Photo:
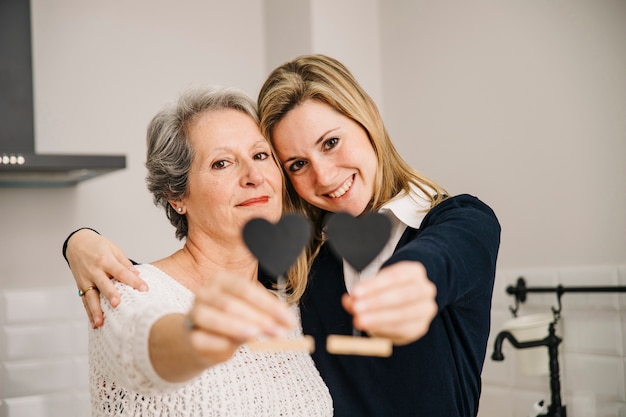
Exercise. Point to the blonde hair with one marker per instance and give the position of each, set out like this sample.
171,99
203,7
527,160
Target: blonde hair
324,79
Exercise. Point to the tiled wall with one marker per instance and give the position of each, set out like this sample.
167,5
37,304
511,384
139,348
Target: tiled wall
43,354
43,349
592,354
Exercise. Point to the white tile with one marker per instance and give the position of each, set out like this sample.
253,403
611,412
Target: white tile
623,332
36,341
52,405
82,403
608,409
80,335
35,377
80,368
523,401
601,375
593,332
495,402
530,382
581,404
39,305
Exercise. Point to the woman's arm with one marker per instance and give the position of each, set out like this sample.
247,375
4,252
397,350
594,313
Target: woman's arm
227,312
94,260
451,260
154,341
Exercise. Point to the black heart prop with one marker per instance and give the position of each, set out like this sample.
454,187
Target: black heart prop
358,240
277,246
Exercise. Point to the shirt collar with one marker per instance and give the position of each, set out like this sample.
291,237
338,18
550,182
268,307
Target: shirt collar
409,208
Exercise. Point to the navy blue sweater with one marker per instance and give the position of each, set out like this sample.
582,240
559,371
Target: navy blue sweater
438,375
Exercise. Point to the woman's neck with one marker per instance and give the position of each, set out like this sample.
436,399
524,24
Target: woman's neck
198,261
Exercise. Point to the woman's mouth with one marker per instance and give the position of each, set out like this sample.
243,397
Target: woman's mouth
343,189
255,201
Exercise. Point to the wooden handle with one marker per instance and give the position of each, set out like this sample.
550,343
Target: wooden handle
304,343
363,346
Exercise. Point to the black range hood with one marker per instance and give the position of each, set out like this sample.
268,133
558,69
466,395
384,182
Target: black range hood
20,166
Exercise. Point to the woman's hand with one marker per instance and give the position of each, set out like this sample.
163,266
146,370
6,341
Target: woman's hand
398,303
94,260
227,311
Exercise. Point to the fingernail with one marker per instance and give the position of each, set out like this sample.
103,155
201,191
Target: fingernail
251,331
364,321
288,318
115,300
279,331
358,291
143,287
359,306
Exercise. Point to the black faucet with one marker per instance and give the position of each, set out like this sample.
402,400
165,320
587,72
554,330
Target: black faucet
552,341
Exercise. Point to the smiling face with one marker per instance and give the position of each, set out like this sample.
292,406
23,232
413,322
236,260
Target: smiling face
233,177
327,156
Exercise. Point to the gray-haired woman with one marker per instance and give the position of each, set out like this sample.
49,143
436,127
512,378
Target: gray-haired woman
180,349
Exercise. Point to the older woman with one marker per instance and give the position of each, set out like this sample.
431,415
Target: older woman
180,348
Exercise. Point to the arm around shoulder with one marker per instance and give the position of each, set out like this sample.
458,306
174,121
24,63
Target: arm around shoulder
94,260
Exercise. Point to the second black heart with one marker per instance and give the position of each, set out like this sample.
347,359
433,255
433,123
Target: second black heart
358,240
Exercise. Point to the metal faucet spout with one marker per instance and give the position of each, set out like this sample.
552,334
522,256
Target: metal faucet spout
497,346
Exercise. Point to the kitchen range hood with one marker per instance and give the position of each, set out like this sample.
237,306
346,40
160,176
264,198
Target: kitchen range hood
20,165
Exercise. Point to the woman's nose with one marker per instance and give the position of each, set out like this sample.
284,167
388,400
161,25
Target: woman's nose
323,172
252,174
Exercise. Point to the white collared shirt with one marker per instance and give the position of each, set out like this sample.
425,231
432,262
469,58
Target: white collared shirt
403,210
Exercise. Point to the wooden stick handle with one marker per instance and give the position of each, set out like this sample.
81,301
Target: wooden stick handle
363,346
304,343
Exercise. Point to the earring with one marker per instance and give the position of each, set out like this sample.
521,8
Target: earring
180,209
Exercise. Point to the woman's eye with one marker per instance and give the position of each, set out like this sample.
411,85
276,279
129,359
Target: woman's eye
262,156
296,166
220,164
330,143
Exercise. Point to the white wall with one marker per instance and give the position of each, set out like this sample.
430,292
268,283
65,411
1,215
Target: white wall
520,103
524,105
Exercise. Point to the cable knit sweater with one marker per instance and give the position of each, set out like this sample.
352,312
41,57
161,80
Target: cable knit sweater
124,383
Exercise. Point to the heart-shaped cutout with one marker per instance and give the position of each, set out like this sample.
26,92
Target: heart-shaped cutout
358,240
277,246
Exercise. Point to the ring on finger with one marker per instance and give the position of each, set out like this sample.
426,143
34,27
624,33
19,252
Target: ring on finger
81,293
189,324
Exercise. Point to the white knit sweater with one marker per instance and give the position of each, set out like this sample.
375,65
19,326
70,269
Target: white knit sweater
124,383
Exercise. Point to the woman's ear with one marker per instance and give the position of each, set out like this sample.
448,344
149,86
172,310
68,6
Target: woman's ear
178,206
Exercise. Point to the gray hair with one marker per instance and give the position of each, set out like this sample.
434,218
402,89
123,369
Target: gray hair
170,153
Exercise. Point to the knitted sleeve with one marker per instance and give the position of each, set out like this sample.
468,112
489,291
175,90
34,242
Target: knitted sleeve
119,349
